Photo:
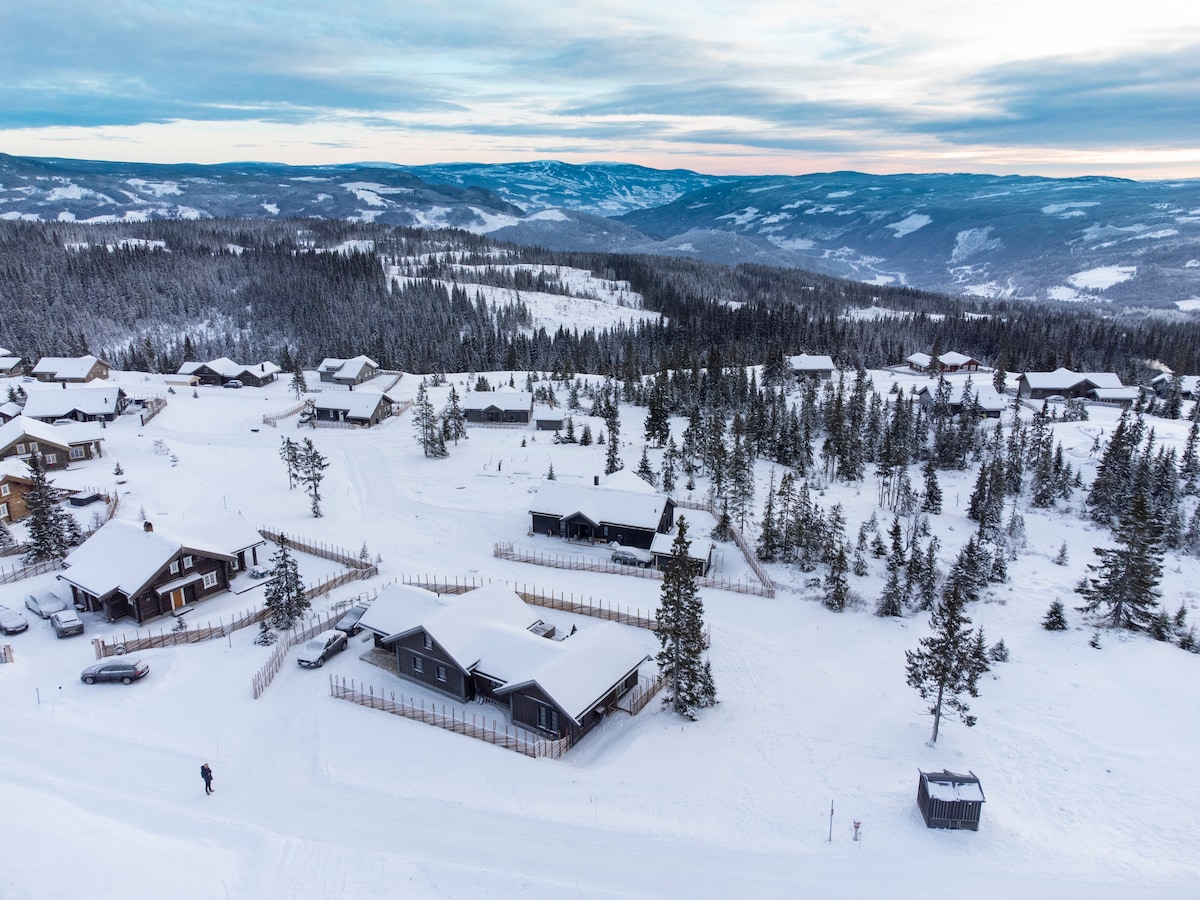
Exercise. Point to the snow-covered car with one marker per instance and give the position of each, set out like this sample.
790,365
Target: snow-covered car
66,622
314,653
632,556
232,383
349,620
11,621
126,671
44,604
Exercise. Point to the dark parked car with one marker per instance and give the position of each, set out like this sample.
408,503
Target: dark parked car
126,671
11,621
314,653
349,620
632,556
66,622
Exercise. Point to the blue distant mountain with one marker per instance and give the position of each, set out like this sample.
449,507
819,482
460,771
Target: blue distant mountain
1081,239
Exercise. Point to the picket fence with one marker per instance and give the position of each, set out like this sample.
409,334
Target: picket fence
262,679
510,738
748,553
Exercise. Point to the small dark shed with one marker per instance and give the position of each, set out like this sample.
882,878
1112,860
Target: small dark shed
948,800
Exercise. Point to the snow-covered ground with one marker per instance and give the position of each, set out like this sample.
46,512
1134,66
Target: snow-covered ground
1087,757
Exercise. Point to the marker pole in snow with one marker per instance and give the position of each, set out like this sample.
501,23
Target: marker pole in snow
831,821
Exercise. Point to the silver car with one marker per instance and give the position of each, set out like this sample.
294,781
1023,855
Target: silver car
44,604
66,622
11,621
314,653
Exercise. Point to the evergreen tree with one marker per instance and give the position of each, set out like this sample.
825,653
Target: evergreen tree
312,472
1056,617
299,384
946,666
768,539
425,425
891,601
837,587
7,541
289,452
612,459
644,471
284,597
585,437
46,523
1125,580
550,476
680,619
455,426
668,466
931,500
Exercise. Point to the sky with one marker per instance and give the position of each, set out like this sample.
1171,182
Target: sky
753,87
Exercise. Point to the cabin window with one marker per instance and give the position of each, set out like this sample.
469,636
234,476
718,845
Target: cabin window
441,673
33,446
5,490
210,580
428,642
187,562
175,567
418,665
51,459
547,718
20,448
76,453
3,510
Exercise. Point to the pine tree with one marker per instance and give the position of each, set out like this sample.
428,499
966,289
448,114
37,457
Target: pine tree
1056,617
311,473
1125,581
550,476
947,665
668,466
837,587
284,597
644,471
299,384
680,619
931,500
289,452
46,523
455,426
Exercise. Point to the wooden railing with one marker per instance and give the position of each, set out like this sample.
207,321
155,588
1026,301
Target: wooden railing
262,679
748,553
644,692
511,738
325,551
272,419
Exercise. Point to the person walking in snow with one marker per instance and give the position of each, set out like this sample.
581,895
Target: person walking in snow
206,774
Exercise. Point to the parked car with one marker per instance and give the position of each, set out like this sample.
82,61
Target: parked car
232,383
44,604
349,620
320,648
11,621
125,670
1056,398
66,622
632,556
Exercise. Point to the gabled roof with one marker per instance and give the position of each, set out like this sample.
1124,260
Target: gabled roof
699,548
985,393
1062,379
806,363
1122,393
227,368
65,366
920,360
61,436
508,401
356,404
52,402
601,505
954,358
1189,384
347,368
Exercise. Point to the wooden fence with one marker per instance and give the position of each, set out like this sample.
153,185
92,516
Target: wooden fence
645,691
505,550
315,625
325,551
748,553
6,654
272,419
153,406
17,573
511,738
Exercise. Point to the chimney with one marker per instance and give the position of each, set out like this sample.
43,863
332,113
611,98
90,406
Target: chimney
147,527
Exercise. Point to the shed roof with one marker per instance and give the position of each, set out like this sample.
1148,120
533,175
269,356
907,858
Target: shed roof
949,786
811,363
509,401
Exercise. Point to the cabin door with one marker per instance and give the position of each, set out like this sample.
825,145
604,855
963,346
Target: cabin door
177,598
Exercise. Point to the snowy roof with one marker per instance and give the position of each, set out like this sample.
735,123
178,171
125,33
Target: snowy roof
1189,384
1064,379
222,535
948,786
56,435
8,363
65,366
954,358
806,363
921,360
601,505
123,557
699,548
347,368
510,401
988,397
487,630
52,402
356,404
1121,393
627,480
227,368
10,409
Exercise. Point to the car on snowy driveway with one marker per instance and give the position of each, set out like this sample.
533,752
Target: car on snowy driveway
66,622
632,556
45,604
11,621
314,653
126,671
349,620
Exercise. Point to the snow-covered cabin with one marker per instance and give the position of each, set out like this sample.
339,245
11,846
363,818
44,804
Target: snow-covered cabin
58,445
498,406
1189,385
83,403
990,402
9,364
489,644
1064,383
365,408
948,800
223,370
15,483
622,508
951,361
347,372
126,571
73,369
810,366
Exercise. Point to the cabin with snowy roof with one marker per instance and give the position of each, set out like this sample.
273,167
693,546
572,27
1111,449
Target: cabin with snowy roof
82,403
347,372
364,408
223,370
58,445
620,508
488,644
124,571
809,366
948,800
952,361
1189,385
510,407
987,399
70,369
1063,382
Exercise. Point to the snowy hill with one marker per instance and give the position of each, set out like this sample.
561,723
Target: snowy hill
1086,756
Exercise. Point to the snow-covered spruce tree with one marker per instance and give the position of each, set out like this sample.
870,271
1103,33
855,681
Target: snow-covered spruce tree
683,659
312,471
946,666
284,596
428,431
455,426
612,459
1123,589
931,499
46,522
6,539
298,384
644,470
837,586
289,452
670,455
1056,617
